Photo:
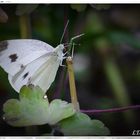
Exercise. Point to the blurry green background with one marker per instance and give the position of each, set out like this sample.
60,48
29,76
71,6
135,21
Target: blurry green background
106,64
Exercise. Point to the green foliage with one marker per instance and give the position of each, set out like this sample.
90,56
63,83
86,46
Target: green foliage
118,37
33,109
81,124
78,7
94,24
25,9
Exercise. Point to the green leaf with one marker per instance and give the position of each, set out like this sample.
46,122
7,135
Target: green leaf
99,128
59,110
33,109
81,124
25,9
78,7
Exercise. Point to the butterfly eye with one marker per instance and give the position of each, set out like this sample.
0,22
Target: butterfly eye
65,49
22,66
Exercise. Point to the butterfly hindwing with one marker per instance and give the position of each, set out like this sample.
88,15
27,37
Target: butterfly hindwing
46,75
41,72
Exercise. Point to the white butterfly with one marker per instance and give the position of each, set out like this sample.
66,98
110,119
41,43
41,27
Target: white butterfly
29,61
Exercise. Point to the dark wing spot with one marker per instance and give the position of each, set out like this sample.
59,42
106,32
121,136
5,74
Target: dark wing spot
29,81
3,45
25,75
22,66
13,57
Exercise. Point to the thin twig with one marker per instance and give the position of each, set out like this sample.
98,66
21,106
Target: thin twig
25,26
112,110
73,93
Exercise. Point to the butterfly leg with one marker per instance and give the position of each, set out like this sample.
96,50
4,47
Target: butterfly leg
62,62
63,65
65,54
72,51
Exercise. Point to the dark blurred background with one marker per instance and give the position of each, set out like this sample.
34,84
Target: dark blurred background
106,64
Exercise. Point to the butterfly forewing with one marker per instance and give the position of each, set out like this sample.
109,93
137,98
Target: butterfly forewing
15,54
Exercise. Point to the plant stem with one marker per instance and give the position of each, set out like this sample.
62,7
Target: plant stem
25,27
69,62
112,110
73,93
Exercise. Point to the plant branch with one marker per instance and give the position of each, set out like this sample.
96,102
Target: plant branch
73,93
112,110
25,27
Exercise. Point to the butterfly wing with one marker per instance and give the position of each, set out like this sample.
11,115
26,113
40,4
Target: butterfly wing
45,76
16,54
40,72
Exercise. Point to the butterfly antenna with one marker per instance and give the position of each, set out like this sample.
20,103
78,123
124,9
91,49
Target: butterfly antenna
72,52
64,31
71,49
75,37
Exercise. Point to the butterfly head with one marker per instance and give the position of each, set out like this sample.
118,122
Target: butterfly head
59,48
